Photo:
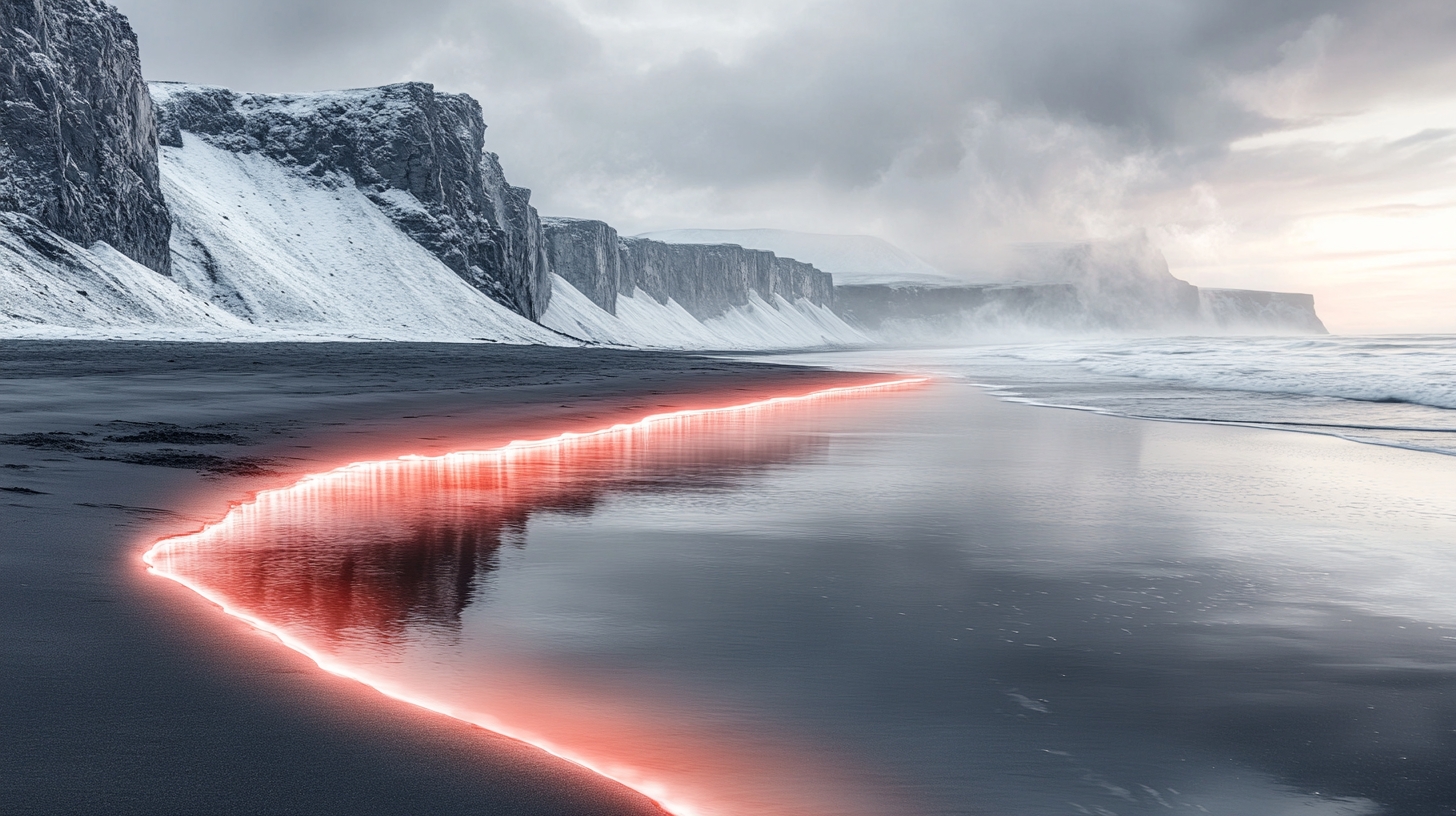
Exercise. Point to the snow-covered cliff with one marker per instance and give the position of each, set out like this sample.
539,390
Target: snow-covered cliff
417,155
705,279
710,279
638,292
586,254
289,251
54,288
642,321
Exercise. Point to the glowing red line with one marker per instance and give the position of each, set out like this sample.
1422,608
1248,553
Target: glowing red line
656,792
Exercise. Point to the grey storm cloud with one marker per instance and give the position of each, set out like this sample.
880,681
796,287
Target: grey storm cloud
303,45
281,45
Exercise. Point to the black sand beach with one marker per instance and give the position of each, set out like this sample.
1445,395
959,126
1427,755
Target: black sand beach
1099,610
125,693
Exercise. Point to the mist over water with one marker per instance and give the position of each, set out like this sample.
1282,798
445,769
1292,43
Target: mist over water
916,602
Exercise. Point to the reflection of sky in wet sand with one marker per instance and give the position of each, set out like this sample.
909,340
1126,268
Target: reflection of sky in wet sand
926,602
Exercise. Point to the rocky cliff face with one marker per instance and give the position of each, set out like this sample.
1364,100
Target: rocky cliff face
78,143
705,279
418,154
587,254
709,279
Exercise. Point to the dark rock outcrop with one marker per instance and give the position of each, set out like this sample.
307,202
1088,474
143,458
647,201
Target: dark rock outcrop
586,253
418,154
78,143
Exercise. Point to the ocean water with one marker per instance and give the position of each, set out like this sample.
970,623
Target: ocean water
1395,390
921,600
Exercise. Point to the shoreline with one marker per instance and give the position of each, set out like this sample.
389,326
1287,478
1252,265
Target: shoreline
122,698
1365,411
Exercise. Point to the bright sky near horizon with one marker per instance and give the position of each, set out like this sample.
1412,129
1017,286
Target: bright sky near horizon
1293,145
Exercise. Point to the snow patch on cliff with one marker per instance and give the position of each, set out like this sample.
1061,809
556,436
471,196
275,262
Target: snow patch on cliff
642,322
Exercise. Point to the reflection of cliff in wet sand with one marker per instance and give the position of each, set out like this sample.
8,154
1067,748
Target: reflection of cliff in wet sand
363,567
383,546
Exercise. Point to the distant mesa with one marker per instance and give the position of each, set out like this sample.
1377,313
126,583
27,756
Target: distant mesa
1061,288
637,291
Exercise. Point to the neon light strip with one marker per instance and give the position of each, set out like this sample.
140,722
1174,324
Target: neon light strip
623,776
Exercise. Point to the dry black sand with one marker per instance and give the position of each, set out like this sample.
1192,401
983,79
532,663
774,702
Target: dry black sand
123,693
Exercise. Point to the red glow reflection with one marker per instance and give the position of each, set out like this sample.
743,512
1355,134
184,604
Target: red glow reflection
359,567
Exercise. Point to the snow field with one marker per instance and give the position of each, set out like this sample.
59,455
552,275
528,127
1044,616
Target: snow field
51,288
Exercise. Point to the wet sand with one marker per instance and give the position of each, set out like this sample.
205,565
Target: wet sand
126,693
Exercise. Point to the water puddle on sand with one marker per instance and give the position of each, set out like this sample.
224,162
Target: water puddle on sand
388,572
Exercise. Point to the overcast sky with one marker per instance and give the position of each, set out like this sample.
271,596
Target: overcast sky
1295,145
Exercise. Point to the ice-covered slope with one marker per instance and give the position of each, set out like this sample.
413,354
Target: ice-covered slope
851,259
643,322
289,251
51,288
